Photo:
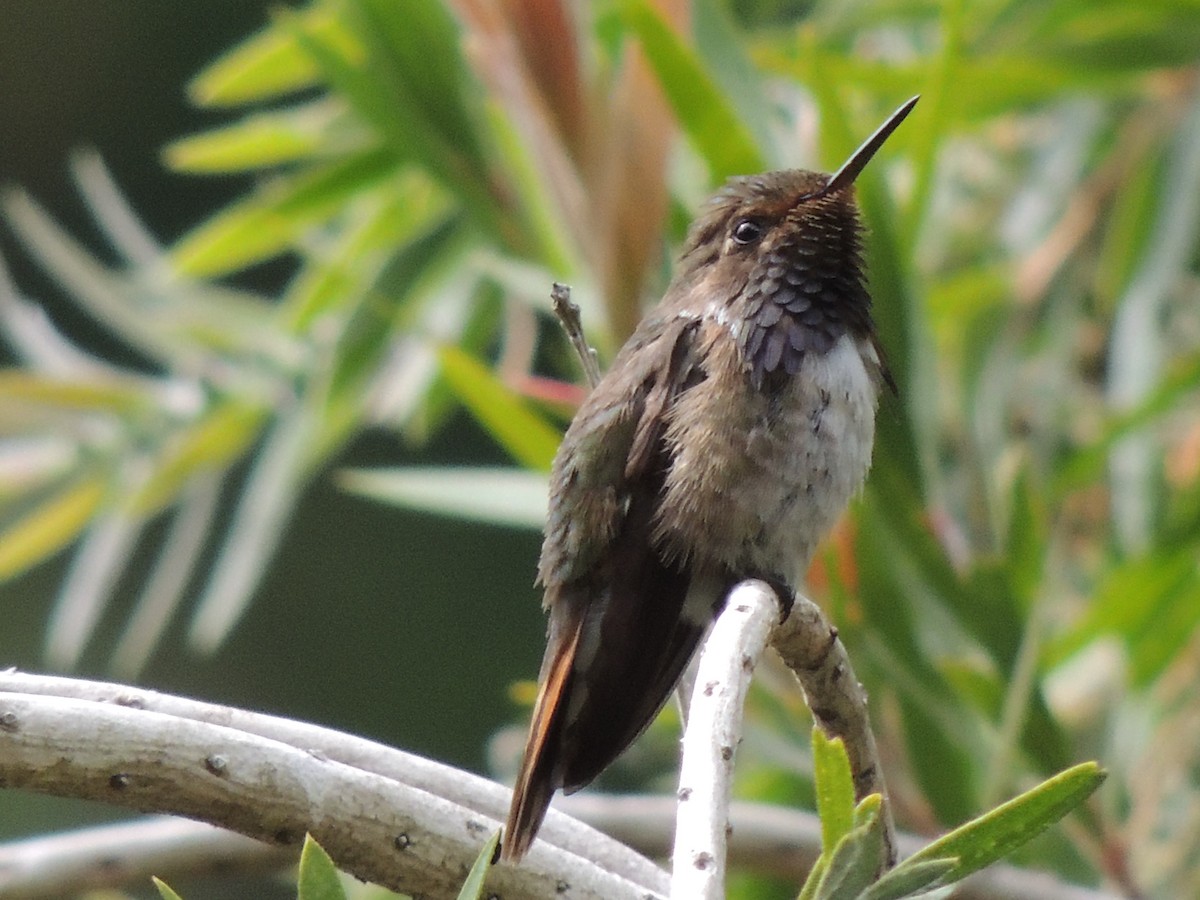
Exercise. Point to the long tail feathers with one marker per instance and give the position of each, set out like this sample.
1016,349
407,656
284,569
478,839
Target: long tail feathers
538,778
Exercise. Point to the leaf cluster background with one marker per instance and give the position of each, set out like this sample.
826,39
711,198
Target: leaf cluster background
1018,585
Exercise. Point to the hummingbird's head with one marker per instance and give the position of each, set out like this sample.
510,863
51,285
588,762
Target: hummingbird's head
782,253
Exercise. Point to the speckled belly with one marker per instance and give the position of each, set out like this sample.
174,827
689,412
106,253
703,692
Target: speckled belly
756,492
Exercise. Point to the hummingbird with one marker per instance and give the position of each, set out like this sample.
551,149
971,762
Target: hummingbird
723,443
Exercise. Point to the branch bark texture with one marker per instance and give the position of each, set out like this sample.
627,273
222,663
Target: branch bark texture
415,827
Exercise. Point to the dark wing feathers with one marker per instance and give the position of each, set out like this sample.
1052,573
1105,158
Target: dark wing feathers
617,641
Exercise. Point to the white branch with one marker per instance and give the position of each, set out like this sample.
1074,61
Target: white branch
770,839
113,856
385,816
714,730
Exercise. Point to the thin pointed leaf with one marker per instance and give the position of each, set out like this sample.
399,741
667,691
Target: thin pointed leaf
262,512
707,115
164,890
210,444
93,573
164,587
855,861
528,437
270,63
107,296
995,834
472,888
813,881
909,878
511,497
124,399
385,90
416,51
264,140
721,44
318,878
834,787
406,220
49,526
551,243
271,221
112,211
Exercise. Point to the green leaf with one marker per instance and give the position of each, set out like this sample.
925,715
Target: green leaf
722,46
407,212
1028,540
707,116
164,890
909,878
528,437
1086,464
409,89
857,858
260,141
813,881
472,888
942,766
835,789
511,497
318,877
209,444
1149,602
996,834
415,53
50,525
271,62
269,222
115,397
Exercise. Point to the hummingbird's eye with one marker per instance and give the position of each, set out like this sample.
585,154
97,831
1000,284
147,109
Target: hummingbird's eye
747,231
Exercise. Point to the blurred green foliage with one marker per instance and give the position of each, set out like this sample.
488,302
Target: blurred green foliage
1018,586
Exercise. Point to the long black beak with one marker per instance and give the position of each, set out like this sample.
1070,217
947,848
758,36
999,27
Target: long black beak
844,177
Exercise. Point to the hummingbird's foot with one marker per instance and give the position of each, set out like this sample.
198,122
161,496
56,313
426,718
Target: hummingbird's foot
787,596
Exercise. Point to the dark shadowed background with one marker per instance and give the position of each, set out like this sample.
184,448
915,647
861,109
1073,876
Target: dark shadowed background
397,626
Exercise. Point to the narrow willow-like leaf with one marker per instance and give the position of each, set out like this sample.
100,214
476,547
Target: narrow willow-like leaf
269,222
415,51
270,63
388,89
318,877
550,238
855,861
472,888
723,51
514,425
164,889
121,399
510,497
1087,463
408,207
96,565
943,742
50,525
813,881
835,789
256,142
253,534
995,834
210,444
909,878
708,117
109,296
163,591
